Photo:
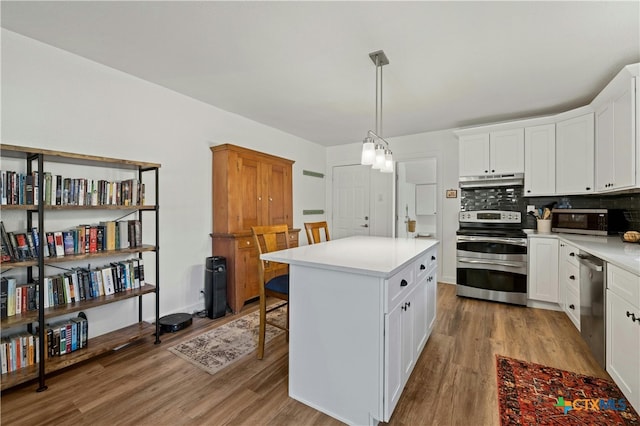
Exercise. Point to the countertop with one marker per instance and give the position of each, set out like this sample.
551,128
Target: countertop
611,249
377,256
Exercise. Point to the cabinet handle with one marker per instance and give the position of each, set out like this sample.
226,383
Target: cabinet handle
422,267
572,277
404,307
493,171
633,316
588,188
433,258
572,306
270,199
572,254
486,171
408,304
528,191
403,283
365,225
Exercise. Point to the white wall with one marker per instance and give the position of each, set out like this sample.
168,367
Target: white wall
443,145
57,100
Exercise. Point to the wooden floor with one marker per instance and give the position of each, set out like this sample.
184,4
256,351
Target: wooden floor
454,381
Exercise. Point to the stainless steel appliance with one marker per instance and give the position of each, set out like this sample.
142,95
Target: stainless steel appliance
588,221
592,304
492,181
491,256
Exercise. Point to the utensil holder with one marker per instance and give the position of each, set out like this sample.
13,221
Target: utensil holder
411,226
544,226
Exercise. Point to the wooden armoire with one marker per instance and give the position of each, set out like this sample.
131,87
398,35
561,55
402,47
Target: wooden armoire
250,188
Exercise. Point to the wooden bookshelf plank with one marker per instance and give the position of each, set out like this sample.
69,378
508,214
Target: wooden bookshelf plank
96,346
75,257
24,152
32,316
33,207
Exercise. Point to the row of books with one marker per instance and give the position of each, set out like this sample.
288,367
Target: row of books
108,235
23,188
22,349
70,287
19,351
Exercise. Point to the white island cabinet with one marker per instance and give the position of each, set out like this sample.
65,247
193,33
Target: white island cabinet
361,310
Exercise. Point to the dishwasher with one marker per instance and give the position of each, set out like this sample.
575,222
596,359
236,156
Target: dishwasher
592,304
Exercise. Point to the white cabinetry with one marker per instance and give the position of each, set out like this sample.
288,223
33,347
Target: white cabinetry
540,160
574,155
543,269
616,145
408,324
492,153
623,332
351,355
569,282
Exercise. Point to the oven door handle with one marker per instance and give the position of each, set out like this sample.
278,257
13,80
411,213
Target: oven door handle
493,262
512,241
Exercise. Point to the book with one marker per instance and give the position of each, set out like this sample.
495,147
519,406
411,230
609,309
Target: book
7,249
28,189
4,296
59,241
47,188
33,254
11,296
93,239
51,244
107,280
68,243
18,300
14,246
35,235
24,253
58,190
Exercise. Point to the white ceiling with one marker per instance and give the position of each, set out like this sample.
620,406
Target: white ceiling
304,67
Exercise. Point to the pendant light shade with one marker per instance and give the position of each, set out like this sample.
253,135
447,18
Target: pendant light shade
375,150
368,152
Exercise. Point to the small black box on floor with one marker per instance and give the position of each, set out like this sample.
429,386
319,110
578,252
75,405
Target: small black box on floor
174,322
215,287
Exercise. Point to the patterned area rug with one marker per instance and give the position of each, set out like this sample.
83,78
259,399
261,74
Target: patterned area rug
533,394
220,347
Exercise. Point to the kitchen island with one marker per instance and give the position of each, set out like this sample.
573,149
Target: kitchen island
361,310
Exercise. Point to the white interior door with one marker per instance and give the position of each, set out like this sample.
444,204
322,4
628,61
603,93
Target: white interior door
351,188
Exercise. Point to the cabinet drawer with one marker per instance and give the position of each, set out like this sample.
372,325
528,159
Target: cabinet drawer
569,254
572,307
572,277
425,263
624,284
398,285
245,242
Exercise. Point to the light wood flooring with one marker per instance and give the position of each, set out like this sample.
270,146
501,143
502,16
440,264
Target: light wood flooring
454,381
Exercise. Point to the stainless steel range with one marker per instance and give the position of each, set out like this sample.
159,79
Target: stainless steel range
491,256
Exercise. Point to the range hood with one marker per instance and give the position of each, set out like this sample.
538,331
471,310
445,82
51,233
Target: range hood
484,181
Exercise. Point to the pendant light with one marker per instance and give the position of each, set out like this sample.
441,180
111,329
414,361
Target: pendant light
375,150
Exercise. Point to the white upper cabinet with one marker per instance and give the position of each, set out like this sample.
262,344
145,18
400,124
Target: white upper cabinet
574,155
616,145
474,155
492,153
540,160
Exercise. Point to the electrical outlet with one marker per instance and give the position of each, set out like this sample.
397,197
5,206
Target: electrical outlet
531,209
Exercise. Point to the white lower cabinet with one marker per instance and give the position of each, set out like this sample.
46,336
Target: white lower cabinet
407,328
623,332
543,269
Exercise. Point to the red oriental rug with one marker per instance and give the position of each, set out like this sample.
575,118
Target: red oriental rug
534,394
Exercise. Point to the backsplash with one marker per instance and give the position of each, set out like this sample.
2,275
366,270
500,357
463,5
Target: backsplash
507,198
630,203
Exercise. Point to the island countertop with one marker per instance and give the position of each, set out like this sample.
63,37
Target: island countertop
377,256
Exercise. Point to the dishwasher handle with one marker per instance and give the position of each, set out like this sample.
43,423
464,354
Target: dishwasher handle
585,260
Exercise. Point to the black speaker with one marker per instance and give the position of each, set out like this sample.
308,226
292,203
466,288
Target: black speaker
215,287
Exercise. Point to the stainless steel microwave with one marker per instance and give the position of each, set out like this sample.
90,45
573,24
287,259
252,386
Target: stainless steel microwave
588,221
